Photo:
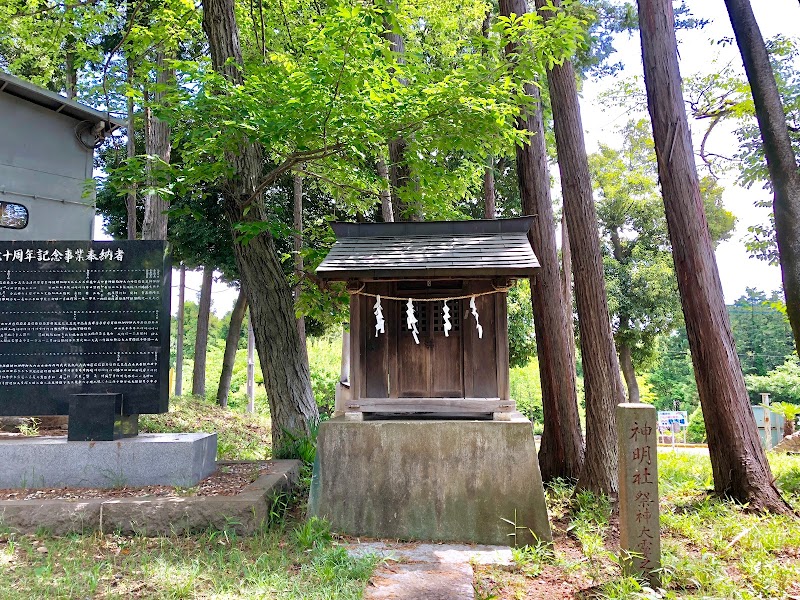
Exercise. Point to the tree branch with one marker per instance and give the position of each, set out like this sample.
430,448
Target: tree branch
288,163
336,88
330,181
318,281
286,24
716,119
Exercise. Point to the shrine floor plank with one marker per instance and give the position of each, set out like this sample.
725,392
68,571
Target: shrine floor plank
431,405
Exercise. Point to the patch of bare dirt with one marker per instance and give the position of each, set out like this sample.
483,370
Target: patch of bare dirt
228,480
553,583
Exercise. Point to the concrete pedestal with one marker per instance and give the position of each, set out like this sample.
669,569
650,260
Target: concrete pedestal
181,459
448,480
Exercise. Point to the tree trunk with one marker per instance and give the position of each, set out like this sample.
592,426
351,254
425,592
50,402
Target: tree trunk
298,257
598,353
561,450
400,177
399,171
387,211
489,194
489,207
130,146
231,345
781,160
738,462
629,372
70,71
624,349
179,344
201,341
283,362
157,143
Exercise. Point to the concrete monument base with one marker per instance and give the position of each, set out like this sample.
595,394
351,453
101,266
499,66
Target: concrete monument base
440,480
180,459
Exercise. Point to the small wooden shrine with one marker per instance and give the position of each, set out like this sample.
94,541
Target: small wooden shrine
428,315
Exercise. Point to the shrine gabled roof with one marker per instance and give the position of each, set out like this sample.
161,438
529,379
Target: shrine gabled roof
433,249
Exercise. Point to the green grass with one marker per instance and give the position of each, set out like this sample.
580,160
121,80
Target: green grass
240,436
324,357
714,548
708,539
711,548
214,565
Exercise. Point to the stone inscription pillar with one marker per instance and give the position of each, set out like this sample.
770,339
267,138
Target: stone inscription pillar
638,490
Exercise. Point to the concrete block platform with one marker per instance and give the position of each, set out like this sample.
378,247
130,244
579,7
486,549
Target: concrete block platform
438,480
243,513
176,459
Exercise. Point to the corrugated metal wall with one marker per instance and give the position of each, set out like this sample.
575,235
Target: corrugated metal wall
774,427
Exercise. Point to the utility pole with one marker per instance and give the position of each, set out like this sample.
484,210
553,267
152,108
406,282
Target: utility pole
179,349
251,366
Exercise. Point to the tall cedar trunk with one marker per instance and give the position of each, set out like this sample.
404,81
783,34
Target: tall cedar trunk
561,451
387,211
201,341
283,361
231,345
157,143
738,462
179,347
626,362
298,247
598,354
489,207
130,146
781,161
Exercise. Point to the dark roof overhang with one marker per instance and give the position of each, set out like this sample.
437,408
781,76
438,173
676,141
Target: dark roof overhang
14,86
481,249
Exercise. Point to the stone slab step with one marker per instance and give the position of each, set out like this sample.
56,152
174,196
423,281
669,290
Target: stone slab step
414,571
413,581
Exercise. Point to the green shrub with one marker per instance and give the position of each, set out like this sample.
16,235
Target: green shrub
696,433
324,360
526,390
782,383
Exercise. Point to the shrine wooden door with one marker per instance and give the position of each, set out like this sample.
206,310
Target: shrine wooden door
434,367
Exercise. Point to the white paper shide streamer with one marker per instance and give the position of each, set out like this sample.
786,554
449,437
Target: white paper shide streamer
474,310
446,319
411,320
379,321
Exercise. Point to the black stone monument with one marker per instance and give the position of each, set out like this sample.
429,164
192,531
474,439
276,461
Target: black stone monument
84,331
